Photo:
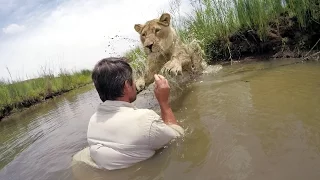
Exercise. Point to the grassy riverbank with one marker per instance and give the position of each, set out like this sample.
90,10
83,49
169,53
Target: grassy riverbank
19,94
233,29
236,29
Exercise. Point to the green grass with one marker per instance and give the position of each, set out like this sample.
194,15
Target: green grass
213,20
137,59
14,94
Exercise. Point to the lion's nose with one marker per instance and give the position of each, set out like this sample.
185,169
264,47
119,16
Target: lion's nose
149,46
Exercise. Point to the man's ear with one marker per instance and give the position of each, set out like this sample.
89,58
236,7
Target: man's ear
138,28
126,86
165,19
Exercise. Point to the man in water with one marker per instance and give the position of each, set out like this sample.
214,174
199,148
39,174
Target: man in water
120,135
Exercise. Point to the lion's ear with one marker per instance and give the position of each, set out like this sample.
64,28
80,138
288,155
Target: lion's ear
138,28
165,19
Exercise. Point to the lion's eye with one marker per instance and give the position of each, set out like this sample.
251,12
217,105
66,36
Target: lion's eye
157,30
144,34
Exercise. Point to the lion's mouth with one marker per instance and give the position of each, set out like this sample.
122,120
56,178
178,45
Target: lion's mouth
150,47
152,50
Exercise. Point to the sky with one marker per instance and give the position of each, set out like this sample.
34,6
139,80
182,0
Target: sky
37,35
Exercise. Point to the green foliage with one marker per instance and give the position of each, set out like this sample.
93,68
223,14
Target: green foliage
218,19
13,93
137,60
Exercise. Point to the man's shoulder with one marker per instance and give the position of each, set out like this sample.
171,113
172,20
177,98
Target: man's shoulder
146,111
134,113
147,115
93,117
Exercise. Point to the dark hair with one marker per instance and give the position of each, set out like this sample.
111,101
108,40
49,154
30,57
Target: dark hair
109,76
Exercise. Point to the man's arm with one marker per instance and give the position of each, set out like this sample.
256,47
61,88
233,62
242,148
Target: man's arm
161,133
166,128
167,114
162,92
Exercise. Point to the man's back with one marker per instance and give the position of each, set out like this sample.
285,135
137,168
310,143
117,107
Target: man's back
120,135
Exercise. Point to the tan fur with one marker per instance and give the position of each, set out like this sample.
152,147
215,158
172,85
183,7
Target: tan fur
165,51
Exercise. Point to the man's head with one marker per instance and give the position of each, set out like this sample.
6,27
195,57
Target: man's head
113,80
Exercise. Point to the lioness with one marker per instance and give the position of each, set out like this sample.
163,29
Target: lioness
166,52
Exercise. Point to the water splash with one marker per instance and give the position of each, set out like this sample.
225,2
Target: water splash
210,69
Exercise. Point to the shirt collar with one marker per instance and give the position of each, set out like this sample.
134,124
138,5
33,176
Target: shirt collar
116,104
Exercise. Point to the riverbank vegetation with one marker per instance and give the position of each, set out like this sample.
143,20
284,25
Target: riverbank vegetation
235,29
19,94
232,29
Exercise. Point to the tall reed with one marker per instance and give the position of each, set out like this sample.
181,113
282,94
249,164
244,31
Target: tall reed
216,20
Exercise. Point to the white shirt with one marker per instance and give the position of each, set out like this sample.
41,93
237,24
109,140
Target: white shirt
120,135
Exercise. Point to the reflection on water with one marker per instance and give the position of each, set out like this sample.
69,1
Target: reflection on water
42,139
249,121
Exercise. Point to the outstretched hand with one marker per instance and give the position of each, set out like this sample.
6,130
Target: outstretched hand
162,92
162,89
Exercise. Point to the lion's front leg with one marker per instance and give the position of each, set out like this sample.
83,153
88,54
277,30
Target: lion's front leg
149,74
140,84
149,78
173,66
144,81
180,61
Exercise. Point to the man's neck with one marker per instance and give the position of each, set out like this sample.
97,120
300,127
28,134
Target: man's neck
124,98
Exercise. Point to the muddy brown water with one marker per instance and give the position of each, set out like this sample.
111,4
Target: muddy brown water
258,120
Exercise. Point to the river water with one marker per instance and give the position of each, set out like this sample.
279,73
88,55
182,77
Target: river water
258,120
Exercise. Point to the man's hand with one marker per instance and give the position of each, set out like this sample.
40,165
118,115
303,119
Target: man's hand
162,92
162,89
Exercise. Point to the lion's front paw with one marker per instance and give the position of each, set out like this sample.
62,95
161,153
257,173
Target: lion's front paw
140,84
172,67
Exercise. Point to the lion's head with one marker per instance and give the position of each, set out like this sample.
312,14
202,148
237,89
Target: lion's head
157,35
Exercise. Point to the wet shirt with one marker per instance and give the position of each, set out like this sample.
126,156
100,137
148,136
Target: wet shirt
120,135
